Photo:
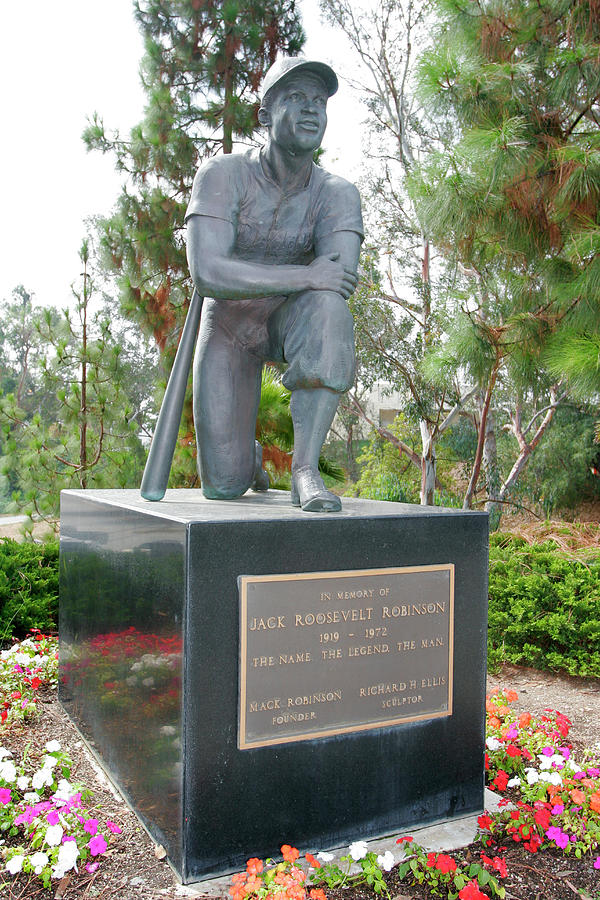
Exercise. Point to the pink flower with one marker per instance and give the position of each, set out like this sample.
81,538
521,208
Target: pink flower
597,862
91,826
98,845
558,808
52,818
92,866
5,796
548,751
113,827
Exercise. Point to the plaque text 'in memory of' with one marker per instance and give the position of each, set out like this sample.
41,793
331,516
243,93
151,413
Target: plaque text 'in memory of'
325,653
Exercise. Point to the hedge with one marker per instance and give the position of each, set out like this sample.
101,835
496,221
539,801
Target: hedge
544,607
28,587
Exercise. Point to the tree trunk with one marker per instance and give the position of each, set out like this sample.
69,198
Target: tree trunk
468,498
527,449
490,467
428,465
228,85
83,408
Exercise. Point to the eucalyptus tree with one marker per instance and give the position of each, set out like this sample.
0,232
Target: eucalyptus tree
401,310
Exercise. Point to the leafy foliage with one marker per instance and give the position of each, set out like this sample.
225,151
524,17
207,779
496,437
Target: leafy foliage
28,587
544,607
79,425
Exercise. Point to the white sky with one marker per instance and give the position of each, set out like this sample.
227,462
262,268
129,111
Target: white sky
59,63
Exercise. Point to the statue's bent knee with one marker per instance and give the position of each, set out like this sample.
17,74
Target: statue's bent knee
320,345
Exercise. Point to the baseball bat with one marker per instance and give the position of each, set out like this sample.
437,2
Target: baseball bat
162,448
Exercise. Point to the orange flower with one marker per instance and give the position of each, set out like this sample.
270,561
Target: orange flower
290,854
318,894
313,863
595,802
524,720
493,722
254,866
511,696
577,797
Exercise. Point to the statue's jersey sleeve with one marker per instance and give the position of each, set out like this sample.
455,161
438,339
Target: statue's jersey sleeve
217,188
338,208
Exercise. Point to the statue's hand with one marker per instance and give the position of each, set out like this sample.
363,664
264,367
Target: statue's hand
325,273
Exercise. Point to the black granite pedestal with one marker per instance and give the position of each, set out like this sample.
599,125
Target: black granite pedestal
227,747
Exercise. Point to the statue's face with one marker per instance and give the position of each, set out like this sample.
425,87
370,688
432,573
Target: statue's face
298,113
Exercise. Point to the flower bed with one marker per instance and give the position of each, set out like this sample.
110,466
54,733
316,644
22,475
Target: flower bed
549,818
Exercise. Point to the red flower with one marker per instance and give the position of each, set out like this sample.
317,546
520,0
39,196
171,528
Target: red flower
499,865
317,894
487,762
501,780
16,695
431,860
290,854
445,864
35,683
314,863
408,840
472,892
543,817
485,822
3,716
513,751
254,866
533,844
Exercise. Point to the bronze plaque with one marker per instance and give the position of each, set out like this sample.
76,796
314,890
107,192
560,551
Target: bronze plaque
325,653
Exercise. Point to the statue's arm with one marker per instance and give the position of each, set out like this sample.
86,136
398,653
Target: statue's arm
346,243
217,273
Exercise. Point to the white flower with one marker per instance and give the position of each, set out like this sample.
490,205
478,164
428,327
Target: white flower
42,777
4,752
49,762
54,835
52,746
358,850
493,743
23,782
532,776
63,791
551,777
148,682
8,771
168,729
514,782
38,861
67,858
31,797
15,863
386,861
326,857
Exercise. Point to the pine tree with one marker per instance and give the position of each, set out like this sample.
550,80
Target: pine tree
515,201
202,68
85,433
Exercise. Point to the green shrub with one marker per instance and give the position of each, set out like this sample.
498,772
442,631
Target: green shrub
28,587
544,607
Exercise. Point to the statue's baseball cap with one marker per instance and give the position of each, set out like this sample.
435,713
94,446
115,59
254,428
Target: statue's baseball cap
285,65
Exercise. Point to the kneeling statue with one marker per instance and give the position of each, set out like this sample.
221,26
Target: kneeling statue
273,243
